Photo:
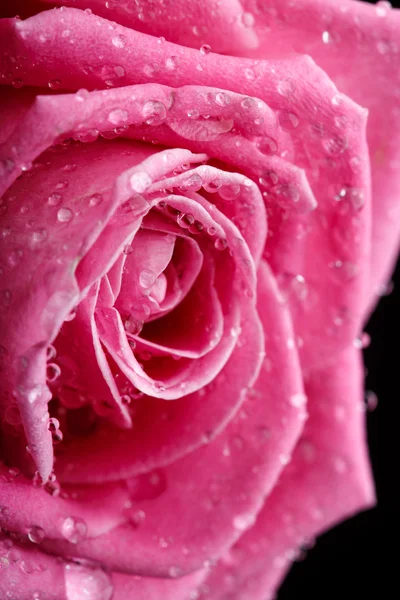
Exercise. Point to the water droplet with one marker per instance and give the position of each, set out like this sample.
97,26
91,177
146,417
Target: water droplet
352,197
196,228
212,186
171,63
174,572
54,199
221,244
371,400
54,84
185,220
284,459
247,19
344,270
70,167
140,181
133,325
286,194
211,230
74,529
298,400
53,371
95,200
249,74
118,116
193,113
40,235
64,215
119,41
51,352
288,120
154,112
326,37
243,521
229,192
17,83
335,145
53,424
205,49
147,278
267,145
222,99
286,87
36,534
87,583
382,8
137,518
27,566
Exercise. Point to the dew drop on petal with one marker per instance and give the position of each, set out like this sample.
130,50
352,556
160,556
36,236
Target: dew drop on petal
193,113
286,87
118,116
247,19
267,145
53,371
95,200
212,186
221,244
326,37
205,49
55,199
171,63
137,518
146,278
64,215
36,534
185,220
140,181
288,120
243,521
74,529
382,8
298,400
154,112
87,584
40,235
119,41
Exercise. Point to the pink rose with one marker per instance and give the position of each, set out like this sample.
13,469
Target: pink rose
194,229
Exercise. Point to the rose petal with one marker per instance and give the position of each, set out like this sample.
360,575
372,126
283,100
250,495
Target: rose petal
220,24
328,479
357,45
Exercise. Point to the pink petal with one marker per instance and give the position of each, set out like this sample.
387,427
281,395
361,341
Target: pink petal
359,51
328,479
45,239
26,570
154,588
217,23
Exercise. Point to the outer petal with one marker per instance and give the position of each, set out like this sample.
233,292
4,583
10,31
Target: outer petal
154,588
327,480
218,23
357,45
43,242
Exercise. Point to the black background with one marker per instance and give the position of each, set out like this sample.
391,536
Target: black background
354,561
